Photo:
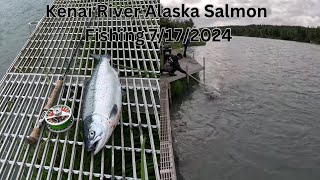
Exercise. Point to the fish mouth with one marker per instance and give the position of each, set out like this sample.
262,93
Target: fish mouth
92,146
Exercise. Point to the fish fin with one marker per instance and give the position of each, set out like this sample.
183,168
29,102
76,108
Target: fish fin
96,56
114,111
86,82
85,87
123,92
116,70
100,56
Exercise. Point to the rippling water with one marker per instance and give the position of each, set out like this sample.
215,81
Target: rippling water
15,16
266,122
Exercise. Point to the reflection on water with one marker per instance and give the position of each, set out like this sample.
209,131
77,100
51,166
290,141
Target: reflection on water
264,125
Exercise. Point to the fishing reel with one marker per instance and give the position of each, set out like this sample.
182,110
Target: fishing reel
59,118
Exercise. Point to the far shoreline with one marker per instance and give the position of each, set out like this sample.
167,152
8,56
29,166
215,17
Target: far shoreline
310,35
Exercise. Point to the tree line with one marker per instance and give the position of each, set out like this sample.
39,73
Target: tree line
176,23
291,33
179,23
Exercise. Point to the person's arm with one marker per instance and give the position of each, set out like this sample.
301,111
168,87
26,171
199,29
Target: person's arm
181,70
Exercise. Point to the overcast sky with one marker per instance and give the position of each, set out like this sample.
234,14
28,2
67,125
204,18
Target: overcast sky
280,12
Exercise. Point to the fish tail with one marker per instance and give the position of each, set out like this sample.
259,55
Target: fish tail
107,56
101,56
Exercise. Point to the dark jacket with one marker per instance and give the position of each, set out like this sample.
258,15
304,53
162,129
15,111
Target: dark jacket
173,60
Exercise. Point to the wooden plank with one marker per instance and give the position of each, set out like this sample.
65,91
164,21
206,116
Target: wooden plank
167,164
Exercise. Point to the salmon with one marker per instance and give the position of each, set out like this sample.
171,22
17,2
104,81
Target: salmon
102,105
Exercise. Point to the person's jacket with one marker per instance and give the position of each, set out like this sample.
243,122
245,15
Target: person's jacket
173,60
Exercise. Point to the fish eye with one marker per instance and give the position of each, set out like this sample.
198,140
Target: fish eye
91,134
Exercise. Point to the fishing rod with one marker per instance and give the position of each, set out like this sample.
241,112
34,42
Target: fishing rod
33,137
215,90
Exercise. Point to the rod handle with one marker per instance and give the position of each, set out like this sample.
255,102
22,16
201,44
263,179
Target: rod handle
32,139
54,95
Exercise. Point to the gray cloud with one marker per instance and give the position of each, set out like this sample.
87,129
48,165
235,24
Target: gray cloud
280,12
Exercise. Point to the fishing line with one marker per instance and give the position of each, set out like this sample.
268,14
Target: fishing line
215,92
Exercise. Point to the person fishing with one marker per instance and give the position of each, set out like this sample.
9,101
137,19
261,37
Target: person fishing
171,65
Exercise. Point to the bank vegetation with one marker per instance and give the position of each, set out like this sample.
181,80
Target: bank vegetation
291,33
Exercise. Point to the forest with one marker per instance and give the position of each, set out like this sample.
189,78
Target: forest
291,33
176,23
179,23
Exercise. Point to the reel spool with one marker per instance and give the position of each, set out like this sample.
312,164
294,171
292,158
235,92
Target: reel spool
59,118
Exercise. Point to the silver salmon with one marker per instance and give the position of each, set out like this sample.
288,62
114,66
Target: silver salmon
102,105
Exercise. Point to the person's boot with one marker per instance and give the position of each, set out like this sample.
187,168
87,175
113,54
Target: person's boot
172,74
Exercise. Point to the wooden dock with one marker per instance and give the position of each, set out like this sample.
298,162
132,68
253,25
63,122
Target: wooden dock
188,64
167,165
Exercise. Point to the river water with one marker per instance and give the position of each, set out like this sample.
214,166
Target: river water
266,122
15,16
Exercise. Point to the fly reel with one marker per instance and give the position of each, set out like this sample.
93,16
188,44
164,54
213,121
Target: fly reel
59,118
